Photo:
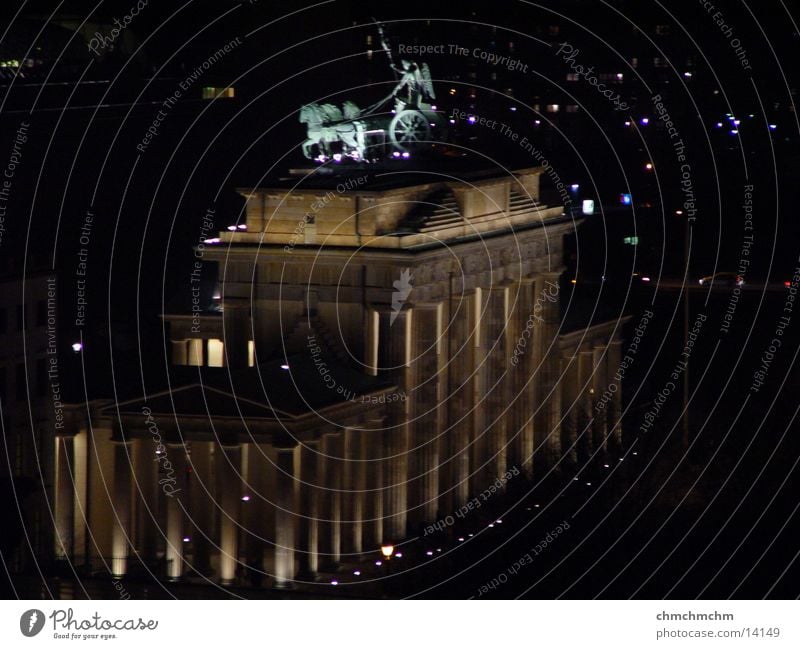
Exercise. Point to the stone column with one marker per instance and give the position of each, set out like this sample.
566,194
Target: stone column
175,515
614,407
205,493
497,398
285,536
459,400
521,367
599,386
378,476
80,474
479,474
585,370
310,497
548,407
395,360
335,452
64,497
229,490
570,390
424,478
353,491
121,525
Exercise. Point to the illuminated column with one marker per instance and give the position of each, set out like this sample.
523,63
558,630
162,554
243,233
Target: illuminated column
64,497
335,453
425,475
548,398
395,335
284,517
310,497
175,531
523,374
614,407
81,480
229,461
570,391
353,490
248,535
145,489
497,397
599,386
121,525
459,401
371,347
479,472
204,500
377,444
585,368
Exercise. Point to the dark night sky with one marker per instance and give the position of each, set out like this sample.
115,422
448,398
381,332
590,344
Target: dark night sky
148,208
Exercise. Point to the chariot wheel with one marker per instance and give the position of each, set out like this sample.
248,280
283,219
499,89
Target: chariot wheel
408,128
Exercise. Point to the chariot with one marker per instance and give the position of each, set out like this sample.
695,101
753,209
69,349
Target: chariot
393,126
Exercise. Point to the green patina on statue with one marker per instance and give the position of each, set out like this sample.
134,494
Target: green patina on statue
393,126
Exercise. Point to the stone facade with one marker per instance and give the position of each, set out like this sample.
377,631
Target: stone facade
444,297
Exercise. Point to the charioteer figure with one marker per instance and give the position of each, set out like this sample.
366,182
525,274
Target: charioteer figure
376,131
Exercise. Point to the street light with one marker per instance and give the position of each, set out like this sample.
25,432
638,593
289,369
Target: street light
387,550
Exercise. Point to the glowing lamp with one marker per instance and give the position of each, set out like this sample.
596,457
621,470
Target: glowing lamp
387,550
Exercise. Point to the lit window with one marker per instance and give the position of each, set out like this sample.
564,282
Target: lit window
631,241
553,108
573,76
251,353
210,92
572,108
215,352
